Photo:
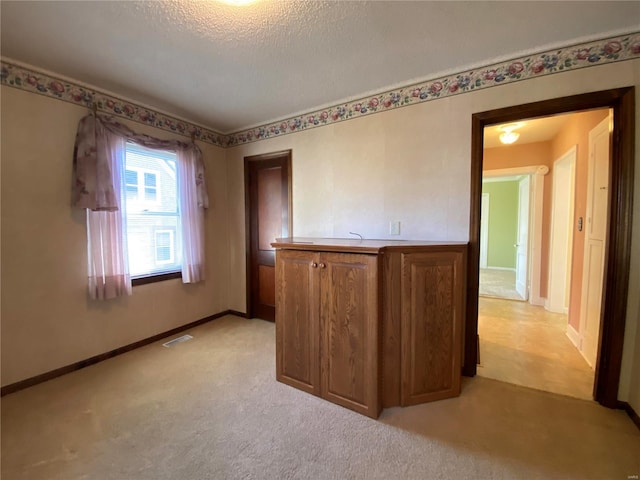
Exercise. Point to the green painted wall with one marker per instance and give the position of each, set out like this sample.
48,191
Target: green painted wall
503,223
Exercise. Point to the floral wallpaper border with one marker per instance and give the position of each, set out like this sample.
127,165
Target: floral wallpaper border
599,52
30,80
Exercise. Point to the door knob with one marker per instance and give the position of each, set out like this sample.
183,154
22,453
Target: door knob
322,265
314,264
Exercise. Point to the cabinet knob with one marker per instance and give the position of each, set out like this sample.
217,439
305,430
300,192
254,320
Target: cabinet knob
321,265
314,264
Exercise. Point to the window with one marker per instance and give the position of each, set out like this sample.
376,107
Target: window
150,188
131,180
165,247
153,222
155,230
141,186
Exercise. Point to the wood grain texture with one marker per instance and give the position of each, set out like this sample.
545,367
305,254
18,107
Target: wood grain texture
267,215
349,320
267,281
349,245
353,305
269,184
391,316
297,321
614,305
616,284
432,308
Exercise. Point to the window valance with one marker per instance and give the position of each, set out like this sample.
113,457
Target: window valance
98,186
92,186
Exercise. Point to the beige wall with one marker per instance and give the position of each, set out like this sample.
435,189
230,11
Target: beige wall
47,320
412,164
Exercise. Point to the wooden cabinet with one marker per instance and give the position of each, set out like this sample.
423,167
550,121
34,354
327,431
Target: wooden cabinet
370,324
327,326
349,329
297,320
432,303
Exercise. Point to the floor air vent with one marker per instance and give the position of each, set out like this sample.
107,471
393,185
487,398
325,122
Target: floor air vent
175,341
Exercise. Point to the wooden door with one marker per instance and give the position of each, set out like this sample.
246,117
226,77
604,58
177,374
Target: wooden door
349,322
561,249
595,240
297,320
431,326
268,211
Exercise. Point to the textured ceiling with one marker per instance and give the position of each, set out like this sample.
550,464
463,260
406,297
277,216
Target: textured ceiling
229,67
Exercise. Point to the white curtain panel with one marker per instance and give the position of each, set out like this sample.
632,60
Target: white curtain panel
99,164
192,200
108,266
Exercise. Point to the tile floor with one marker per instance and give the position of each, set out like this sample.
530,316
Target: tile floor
526,345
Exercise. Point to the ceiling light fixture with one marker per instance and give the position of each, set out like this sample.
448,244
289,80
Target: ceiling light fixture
238,3
508,136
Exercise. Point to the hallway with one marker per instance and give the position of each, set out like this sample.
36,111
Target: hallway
498,284
526,345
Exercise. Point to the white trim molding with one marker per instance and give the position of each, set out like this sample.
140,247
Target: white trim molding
574,336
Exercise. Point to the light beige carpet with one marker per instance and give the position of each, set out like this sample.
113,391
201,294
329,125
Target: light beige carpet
498,284
210,408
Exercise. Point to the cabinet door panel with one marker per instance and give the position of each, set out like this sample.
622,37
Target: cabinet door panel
297,333
432,306
349,323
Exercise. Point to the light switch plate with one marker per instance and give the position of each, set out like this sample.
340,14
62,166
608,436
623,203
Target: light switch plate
394,228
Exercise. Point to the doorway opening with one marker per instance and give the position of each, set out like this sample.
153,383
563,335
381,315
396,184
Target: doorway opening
516,225
528,343
617,250
268,216
504,236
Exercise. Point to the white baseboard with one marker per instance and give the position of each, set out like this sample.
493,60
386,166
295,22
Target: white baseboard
547,307
574,336
586,360
500,268
539,301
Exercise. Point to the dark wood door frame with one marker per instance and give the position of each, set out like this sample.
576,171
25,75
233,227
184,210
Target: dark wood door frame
616,280
247,215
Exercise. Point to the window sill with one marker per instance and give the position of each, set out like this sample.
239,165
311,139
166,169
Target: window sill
155,278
